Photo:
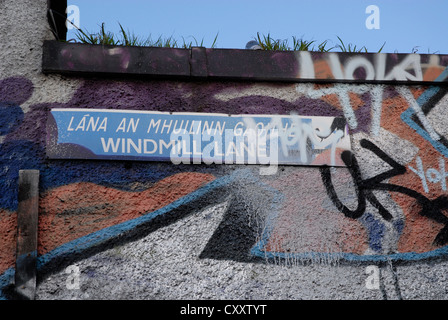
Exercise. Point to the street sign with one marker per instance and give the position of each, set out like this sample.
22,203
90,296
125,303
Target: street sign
194,138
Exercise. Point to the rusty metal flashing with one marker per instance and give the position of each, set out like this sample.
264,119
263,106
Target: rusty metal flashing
242,64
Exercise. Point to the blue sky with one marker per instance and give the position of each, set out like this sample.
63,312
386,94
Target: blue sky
404,25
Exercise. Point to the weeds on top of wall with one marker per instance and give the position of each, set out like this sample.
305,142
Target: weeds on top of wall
299,44
265,42
127,38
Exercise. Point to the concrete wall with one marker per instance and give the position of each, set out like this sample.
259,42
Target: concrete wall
225,231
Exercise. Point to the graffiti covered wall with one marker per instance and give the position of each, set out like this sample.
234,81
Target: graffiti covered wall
112,229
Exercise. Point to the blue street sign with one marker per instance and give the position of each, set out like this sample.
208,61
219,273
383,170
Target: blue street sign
196,137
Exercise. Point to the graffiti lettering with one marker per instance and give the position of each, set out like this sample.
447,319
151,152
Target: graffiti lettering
306,135
432,175
358,67
343,92
364,192
432,209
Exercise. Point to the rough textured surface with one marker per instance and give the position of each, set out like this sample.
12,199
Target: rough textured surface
137,230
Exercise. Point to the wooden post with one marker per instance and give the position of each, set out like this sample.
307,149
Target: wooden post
27,220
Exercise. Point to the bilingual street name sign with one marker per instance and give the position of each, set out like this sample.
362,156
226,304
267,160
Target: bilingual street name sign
193,138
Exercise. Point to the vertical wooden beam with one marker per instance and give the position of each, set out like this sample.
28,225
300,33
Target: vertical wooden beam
27,220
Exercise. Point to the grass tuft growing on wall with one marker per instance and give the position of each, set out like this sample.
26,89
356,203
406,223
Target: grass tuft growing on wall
127,38
265,42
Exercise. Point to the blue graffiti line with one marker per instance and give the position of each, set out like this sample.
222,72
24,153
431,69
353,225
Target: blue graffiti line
407,115
259,251
89,241
84,243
